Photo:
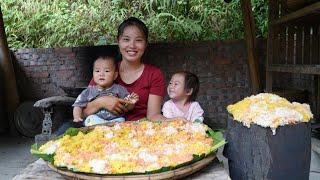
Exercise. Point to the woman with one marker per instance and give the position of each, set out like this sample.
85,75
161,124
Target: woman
145,80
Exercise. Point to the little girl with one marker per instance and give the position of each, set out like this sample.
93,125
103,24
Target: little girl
183,89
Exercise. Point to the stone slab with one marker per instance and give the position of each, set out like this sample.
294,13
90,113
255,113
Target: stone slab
54,100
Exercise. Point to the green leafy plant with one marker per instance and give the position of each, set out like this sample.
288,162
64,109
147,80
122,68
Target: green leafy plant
65,23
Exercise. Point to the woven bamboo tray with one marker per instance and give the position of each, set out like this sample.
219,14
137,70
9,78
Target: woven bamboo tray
173,174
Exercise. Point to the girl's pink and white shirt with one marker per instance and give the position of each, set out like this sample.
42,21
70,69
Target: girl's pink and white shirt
195,112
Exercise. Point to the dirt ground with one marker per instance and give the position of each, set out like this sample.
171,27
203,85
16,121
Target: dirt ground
14,155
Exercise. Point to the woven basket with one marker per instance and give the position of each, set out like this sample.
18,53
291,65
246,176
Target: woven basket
173,174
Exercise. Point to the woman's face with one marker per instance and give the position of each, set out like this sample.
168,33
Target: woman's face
132,44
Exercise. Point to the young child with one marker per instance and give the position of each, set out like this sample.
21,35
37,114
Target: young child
183,89
104,73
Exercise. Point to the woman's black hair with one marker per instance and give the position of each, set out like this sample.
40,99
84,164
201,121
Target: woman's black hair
133,21
191,82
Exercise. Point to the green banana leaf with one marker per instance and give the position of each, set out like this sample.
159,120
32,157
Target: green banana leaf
216,135
218,139
35,151
49,157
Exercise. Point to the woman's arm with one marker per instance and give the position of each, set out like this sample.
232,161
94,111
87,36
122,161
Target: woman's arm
153,108
110,103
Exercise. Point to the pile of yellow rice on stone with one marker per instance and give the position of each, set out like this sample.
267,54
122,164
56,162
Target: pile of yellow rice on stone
130,147
269,110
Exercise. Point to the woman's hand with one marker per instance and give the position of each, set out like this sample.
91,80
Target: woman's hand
112,104
115,105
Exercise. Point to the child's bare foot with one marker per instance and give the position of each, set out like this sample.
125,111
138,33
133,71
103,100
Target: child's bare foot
77,119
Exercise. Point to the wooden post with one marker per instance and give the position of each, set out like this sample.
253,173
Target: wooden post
6,68
273,12
250,34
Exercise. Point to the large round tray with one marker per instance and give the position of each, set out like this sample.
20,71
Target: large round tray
173,174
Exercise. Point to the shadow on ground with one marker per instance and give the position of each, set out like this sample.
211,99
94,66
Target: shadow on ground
14,154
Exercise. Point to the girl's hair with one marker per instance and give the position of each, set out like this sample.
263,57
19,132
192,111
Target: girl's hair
191,82
132,21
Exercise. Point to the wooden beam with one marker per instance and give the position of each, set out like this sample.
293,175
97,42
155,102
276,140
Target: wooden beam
317,90
6,68
313,8
251,43
303,69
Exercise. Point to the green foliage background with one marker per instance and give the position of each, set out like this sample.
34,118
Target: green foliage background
68,23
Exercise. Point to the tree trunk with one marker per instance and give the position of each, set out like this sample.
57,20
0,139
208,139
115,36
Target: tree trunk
251,44
7,72
254,153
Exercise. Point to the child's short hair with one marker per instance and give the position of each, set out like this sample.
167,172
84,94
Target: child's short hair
107,57
191,82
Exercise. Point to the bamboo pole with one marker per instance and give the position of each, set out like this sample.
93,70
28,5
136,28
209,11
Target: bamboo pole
6,68
251,43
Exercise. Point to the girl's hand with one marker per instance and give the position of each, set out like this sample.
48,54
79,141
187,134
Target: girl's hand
178,118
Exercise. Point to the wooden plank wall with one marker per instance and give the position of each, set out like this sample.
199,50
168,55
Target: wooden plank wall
294,43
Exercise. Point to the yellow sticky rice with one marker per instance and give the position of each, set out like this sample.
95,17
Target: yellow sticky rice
130,147
269,110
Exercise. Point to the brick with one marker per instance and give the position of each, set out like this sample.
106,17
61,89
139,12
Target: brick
35,56
65,74
221,61
25,56
40,75
45,81
63,51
